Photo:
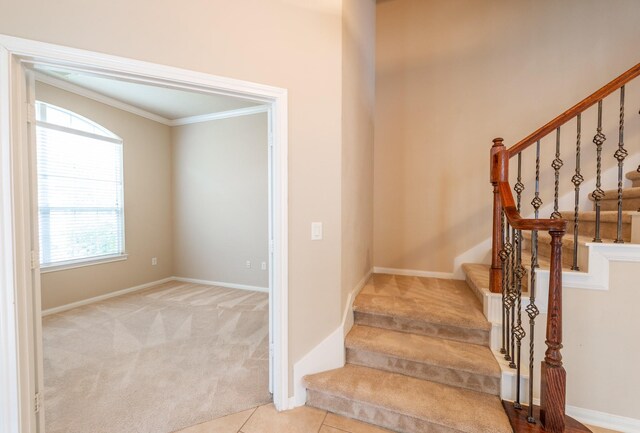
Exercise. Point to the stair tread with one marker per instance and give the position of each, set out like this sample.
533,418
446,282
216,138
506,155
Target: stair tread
431,300
434,351
633,175
455,408
612,194
606,216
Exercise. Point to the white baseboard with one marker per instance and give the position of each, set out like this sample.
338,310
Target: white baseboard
347,314
417,273
601,419
103,297
327,355
222,284
604,420
146,286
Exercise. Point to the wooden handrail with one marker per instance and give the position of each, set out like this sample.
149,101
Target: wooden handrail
575,110
519,223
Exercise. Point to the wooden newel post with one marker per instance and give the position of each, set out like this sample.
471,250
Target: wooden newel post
554,377
499,174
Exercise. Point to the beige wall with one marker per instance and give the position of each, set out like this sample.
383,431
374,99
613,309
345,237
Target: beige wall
220,200
147,195
295,44
452,75
602,354
358,87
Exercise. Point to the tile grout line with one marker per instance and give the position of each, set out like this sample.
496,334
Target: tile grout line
248,418
326,412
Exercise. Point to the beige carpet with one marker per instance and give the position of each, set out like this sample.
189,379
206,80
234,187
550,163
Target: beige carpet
154,361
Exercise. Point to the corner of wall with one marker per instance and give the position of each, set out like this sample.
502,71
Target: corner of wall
329,353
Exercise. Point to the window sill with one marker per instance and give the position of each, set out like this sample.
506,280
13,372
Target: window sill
83,263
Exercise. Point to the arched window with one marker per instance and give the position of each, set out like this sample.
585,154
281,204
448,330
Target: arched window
80,189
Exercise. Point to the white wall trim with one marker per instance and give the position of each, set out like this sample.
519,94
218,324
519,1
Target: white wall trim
99,97
121,292
329,354
600,256
9,382
99,298
222,284
120,105
219,115
601,419
417,273
17,317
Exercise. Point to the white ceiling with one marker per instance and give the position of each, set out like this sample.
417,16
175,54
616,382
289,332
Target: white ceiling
171,104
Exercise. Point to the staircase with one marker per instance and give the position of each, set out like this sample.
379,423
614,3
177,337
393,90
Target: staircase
418,360
630,218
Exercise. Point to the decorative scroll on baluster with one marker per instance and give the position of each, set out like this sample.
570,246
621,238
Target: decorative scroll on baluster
557,165
577,180
598,193
620,155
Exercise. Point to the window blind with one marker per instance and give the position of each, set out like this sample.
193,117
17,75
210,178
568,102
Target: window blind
80,194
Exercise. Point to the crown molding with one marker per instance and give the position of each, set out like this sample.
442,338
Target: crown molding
98,97
219,115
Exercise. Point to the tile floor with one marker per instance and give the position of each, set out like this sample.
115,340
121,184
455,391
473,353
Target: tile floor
265,419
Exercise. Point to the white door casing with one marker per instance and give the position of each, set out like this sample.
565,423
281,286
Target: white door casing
20,325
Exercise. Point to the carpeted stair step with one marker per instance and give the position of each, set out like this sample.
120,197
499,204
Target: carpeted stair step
464,365
405,404
608,224
630,199
544,249
634,177
426,306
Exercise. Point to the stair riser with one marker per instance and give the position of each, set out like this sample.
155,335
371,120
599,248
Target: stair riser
632,204
608,230
544,250
466,335
635,183
420,370
373,415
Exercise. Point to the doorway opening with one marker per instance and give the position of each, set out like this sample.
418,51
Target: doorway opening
25,57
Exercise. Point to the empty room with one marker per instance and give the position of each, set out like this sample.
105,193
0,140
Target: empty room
153,257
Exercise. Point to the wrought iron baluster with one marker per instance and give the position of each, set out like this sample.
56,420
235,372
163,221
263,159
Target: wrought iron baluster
598,193
620,155
508,302
513,295
532,312
518,331
556,165
577,180
503,259
537,201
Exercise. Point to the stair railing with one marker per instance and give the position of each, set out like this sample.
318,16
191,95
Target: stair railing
508,275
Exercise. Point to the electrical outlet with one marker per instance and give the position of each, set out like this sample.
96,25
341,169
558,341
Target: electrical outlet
263,266
154,261
248,264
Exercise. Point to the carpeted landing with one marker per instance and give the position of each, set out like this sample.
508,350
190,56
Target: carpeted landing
418,361
156,361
